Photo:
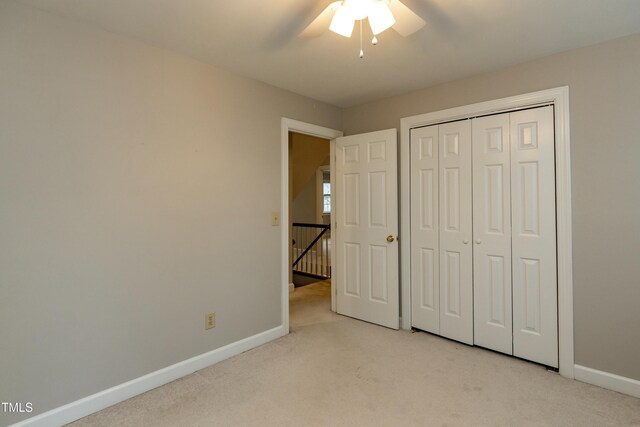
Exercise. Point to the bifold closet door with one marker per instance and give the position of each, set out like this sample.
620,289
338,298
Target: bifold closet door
456,262
492,233
535,304
425,285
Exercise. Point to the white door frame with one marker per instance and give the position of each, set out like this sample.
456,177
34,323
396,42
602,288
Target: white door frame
559,97
290,125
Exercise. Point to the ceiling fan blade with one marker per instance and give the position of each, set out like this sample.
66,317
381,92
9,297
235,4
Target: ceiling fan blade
322,21
407,22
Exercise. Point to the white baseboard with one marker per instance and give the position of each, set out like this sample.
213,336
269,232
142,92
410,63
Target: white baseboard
96,402
606,380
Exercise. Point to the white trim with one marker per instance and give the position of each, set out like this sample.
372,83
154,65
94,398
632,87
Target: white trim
290,125
334,224
96,402
559,97
607,380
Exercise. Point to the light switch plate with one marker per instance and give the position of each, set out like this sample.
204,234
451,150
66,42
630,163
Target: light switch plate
210,321
275,218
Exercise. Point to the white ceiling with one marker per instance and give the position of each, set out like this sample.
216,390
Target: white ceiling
257,39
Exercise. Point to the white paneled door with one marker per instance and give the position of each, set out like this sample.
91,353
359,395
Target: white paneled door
535,297
492,233
483,232
366,229
441,230
425,249
456,264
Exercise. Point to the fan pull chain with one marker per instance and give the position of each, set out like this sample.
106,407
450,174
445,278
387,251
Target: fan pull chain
361,51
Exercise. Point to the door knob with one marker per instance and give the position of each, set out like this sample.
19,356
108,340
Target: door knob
390,238
478,241
465,241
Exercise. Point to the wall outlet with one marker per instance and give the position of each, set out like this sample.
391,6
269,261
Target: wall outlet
275,218
210,321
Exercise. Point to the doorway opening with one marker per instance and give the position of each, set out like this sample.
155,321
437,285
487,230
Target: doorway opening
363,224
307,165
310,229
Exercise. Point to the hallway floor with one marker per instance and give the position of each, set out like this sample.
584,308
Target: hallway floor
310,304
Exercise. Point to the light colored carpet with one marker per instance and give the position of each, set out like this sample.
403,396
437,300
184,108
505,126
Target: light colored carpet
310,305
336,371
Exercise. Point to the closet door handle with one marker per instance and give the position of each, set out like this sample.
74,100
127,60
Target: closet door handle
465,241
478,241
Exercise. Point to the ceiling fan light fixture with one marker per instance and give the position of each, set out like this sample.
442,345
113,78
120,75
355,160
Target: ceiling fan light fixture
342,22
380,17
358,9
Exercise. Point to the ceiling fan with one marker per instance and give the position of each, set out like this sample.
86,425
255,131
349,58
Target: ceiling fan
340,17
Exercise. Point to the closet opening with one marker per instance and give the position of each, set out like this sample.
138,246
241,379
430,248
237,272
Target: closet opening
485,196
483,232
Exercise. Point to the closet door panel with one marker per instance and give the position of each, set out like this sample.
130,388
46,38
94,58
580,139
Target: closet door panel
492,233
425,264
456,263
535,321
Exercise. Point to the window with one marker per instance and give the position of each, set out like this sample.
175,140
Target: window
326,193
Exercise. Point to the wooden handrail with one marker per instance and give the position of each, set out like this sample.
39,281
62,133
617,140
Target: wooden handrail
307,225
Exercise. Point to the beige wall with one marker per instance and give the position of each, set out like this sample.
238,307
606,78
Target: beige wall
304,206
604,88
136,191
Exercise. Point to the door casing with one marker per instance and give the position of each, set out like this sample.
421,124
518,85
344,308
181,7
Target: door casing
559,97
290,125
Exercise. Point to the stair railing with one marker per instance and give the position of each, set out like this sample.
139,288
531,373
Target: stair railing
312,250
